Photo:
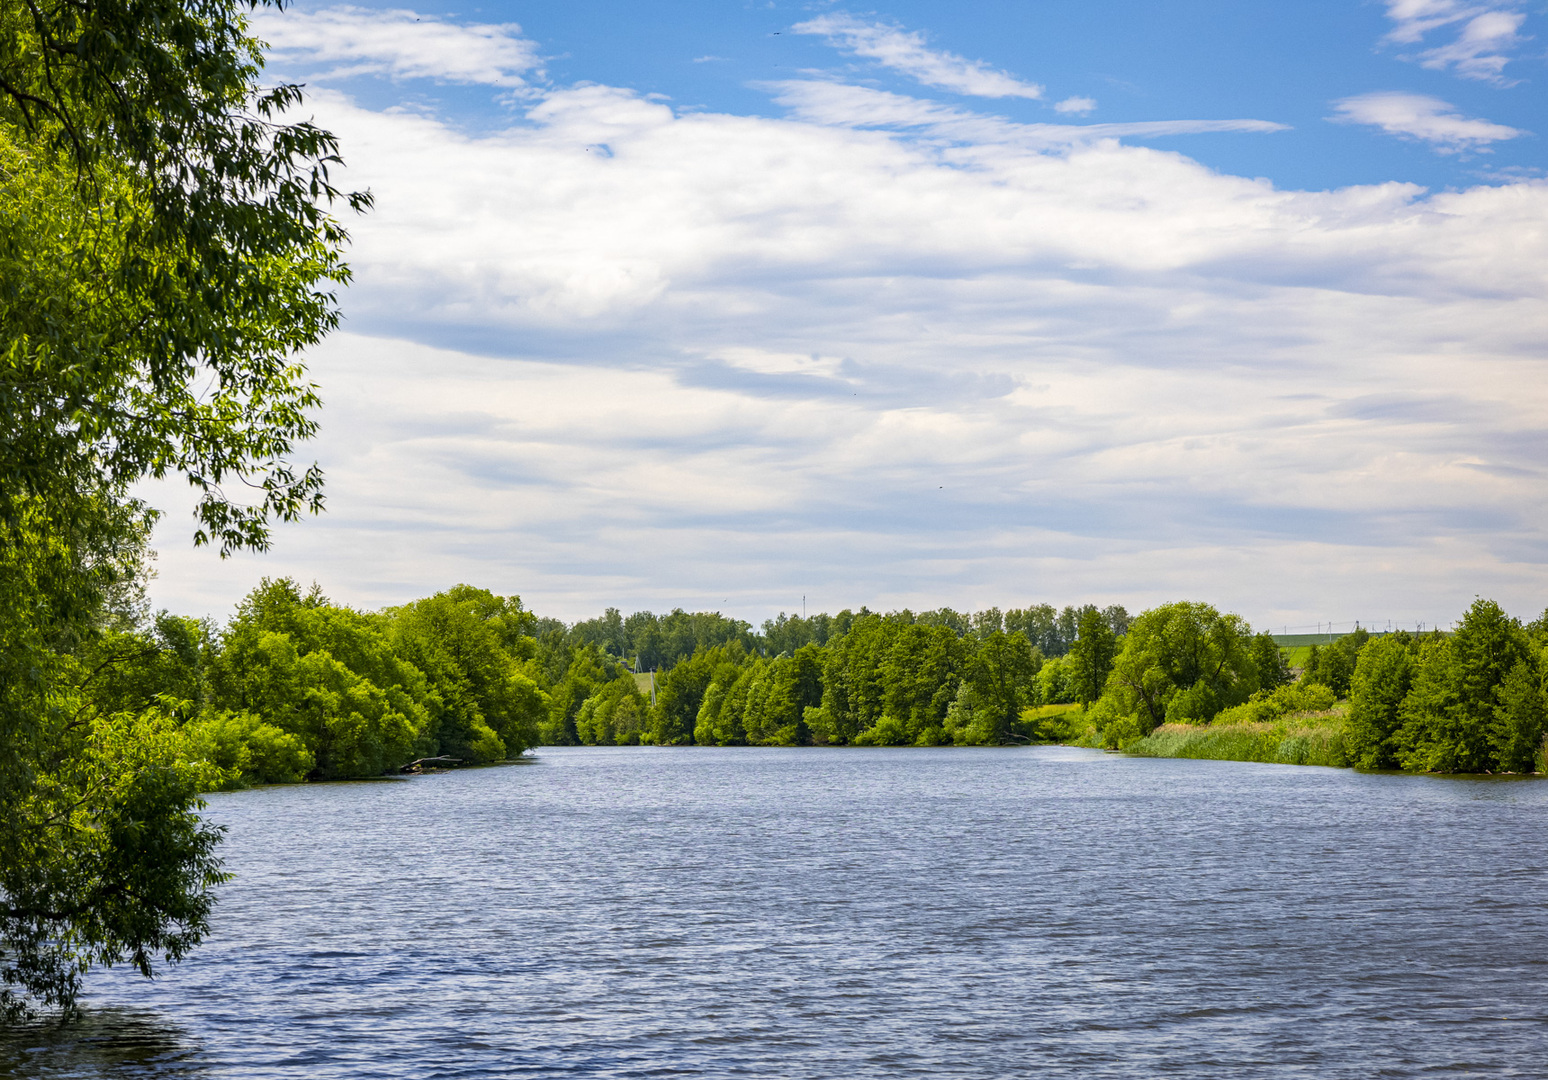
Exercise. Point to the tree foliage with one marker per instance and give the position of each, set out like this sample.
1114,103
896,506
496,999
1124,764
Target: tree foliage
1091,656
166,248
1181,662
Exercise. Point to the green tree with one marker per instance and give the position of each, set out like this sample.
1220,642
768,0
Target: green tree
165,251
1268,660
1054,682
680,694
1334,665
777,697
1091,657
163,664
1537,630
788,633
1520,718
999,680
723,712
1383,678
613,715
1181,662
921,672
470,644
589,671
328,675
1452,716
854,685
351,726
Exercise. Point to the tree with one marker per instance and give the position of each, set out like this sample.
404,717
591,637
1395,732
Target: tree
326,675
723,712
1520,718
920,675
350,726
165,251
1334,666
589,671
998,681
613,715
469,643
1091,657
1268,660
1118,619
1459,713
1383,677
680,694
1054,682
1180,662
854,687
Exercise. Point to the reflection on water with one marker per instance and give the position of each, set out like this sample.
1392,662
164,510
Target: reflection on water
104,1042
822,914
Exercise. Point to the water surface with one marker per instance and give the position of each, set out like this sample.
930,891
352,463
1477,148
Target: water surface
812,913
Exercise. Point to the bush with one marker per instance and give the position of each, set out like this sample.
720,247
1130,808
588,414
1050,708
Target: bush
888,731
1268,706
249,751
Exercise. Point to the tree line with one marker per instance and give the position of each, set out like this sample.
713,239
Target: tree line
1471,701
295,687
653,642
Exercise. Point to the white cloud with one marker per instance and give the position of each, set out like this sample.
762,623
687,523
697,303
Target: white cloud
1486,34
882,351
906,52
1077,105
1424,118
821,102
341,42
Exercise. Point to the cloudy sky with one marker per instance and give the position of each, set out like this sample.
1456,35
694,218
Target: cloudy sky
716,304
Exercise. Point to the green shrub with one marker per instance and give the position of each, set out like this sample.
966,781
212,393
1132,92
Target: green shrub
249,751
1268,706
888,731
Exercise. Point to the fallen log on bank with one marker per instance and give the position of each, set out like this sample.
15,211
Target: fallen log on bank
431,764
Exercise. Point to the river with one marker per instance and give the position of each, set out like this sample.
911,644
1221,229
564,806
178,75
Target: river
810,913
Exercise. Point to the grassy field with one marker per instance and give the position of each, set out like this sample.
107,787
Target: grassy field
1297,739
1043,713
1063,723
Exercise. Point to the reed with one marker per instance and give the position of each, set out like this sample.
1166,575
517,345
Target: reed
1298,739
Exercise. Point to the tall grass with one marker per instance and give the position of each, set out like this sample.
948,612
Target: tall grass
1298,739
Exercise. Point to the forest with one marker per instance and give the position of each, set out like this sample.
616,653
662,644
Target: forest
295,687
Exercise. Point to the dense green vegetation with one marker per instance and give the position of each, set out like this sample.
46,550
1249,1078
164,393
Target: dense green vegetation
1474,700
166,250
295,687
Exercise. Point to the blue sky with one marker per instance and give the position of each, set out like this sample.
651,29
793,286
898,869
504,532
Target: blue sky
1198,59
723,304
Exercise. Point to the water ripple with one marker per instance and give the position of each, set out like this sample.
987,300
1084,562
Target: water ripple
815,914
